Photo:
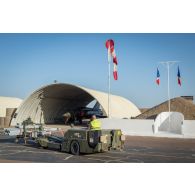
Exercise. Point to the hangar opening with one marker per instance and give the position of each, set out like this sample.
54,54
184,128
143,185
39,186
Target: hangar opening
47,104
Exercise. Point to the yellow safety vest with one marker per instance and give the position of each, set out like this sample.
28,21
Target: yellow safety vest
95,125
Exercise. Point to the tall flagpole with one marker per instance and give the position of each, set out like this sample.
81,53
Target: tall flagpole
168,64
109,60
168,88
111,54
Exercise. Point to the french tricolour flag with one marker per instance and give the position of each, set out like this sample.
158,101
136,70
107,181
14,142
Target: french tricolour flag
179,76
158,77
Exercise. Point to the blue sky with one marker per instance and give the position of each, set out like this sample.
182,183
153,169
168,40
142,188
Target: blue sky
29,61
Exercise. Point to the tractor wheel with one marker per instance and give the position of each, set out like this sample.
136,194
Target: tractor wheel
75,148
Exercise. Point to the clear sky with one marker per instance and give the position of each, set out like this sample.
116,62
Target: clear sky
29,61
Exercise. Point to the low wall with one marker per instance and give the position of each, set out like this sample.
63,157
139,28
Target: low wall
141,127
189,128
129,126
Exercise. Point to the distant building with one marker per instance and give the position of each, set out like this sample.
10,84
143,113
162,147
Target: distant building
182,104
189,98
8,106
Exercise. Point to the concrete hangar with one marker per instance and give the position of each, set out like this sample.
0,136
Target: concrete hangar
52,101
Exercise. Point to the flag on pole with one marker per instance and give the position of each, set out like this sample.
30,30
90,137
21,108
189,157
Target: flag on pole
179,77
115,72
111,53
158,77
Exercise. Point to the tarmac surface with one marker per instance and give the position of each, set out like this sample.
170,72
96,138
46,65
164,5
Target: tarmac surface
137,150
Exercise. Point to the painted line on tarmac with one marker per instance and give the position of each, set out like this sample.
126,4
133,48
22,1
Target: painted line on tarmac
13,152
96,159
68,157
102,156
127,159
111,158
116,160
43,152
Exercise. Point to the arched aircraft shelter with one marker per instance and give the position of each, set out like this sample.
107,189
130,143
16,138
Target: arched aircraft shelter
52,101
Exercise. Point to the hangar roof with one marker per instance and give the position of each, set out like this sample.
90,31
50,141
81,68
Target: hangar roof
51,101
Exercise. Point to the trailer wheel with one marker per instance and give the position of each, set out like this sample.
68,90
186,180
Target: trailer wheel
75,148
